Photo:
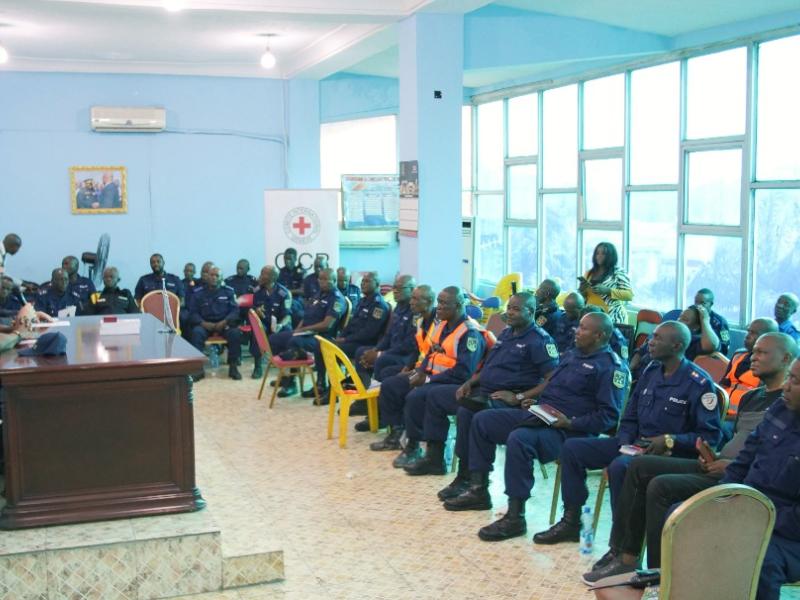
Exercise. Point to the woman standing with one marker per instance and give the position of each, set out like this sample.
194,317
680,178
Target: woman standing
606,284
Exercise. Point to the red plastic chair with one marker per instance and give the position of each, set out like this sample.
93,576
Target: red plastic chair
646,321
245,301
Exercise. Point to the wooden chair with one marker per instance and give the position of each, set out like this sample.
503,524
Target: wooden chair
714,364
304,366
152,303
339,367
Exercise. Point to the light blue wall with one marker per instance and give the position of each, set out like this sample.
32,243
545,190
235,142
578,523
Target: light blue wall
194,192
347,96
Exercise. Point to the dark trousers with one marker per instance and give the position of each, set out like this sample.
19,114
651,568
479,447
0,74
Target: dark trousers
232,335
392,399
464,418
385,365
580,454
781,565
441,404
415,407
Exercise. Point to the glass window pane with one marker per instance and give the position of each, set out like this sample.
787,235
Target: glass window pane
653,248
489,266
523,121
466,204
655,115
778,114
592,237
490,146
560,237
560,152
602,183
358,146
714,186
523,252
716,93
776,267
522,192
604,112
714,262
466,147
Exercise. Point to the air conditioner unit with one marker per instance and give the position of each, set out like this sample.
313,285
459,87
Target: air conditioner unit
128,118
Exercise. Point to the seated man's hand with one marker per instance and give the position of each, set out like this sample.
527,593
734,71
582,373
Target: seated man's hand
417,379
658,445
509,398
715,468
220,327
405,370
463,390
260,312
207,326
339,340
368,358
563,422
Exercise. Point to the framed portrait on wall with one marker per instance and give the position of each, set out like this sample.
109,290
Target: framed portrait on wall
98,190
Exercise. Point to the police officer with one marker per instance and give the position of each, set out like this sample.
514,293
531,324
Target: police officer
291,277
311,282
618,342
584,394
215,310
10,301
456,348
153,281
83,286
515,369
112,300
242,283
273,304
349,290
705,298
323,317
189,280
785,307
192,292
395,387
569,321
672,404
548,314
57,296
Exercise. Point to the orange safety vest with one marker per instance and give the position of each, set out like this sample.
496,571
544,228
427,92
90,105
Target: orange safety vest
739,385
424,340
443,355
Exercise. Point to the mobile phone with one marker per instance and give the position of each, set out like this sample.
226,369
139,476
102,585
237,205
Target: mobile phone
642,443
631,450
705,451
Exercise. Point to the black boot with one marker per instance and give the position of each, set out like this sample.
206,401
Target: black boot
476,497
288,387
430,464
459,485
233,372
568,529
390,442
411,453
258,371
510,525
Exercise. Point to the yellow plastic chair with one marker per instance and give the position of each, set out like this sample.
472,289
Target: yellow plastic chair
339,367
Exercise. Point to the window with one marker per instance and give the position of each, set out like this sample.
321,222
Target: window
523,252
592,237
653,242
522,192
490,146
715,98
602,183
714,262
655,120
778,115
359,146
604,112
489,264
560,237
523,121
714,187
560,158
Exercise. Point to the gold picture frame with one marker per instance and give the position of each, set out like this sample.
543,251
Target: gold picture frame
98,190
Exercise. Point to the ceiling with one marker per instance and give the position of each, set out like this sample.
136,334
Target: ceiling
313,38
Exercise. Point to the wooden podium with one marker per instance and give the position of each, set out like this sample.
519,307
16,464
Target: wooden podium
105,432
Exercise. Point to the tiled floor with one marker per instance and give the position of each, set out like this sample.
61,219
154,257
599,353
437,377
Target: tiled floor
350,525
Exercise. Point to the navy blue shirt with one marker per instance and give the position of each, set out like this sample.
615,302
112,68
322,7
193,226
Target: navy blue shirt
548,316
276,303
400,338
352,292
311,286
330,304
769,462
684,405
214,305
565,333
291,279
368,321
189,284
588,389
518,361
83,286
10,307
50,302
193,293
718,323
241,285
151,281
469,353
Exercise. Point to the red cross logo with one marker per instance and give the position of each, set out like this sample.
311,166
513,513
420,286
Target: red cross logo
301,225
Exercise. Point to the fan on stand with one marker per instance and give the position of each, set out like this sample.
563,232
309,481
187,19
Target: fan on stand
97,261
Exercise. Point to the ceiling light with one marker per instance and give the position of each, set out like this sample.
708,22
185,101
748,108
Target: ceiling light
3,55
174,5
268,59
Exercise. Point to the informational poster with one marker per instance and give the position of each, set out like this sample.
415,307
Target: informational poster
409,198
303,219
370,201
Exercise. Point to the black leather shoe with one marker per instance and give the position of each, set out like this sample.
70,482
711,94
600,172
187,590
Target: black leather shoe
507,527
285,392
310,393
390,442
474,498
257,373
364,426
430,464
568,529
233,372
458,486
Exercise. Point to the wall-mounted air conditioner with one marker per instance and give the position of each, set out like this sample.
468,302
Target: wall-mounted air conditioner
147,119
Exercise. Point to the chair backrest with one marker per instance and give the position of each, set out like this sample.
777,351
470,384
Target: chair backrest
496,324
153,304
345,318
646,322
723,401
338,366
628,333
714,364
259,333
699,537
646,315
387,322
507,285
245,301
474,312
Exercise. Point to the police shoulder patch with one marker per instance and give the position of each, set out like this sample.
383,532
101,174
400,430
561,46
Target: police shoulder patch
619,379
377,312
338,306
541,321
725,335
624,352
472,344
709,400
552,351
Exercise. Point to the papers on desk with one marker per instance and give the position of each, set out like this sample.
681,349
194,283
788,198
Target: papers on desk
66,313
120,327
46,324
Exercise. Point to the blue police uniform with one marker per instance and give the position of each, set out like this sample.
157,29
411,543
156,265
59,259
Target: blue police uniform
111,301
469,353
694,349
587,388
10,306
151,281
83,287
352,292
291,279
277,303
241,285
548,316
311,286
516,363
215,305
564,335
789,329
50,302
718,323
683,405
397,347
189,283
769,463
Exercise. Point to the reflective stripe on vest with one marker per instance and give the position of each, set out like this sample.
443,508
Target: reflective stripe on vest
739,385
423,340
444,354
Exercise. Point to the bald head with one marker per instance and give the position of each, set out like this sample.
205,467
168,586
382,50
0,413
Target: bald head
771,357
594,331
670,340
12,243
756,329
573,304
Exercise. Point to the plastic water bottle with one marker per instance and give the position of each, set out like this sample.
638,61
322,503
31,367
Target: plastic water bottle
587,535
214,356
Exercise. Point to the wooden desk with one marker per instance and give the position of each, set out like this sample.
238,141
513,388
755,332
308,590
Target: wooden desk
105,432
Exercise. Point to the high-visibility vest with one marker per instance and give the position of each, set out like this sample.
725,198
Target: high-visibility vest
443,354
739,385
423,338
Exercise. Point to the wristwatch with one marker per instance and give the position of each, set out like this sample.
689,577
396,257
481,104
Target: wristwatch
519,397
669,441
